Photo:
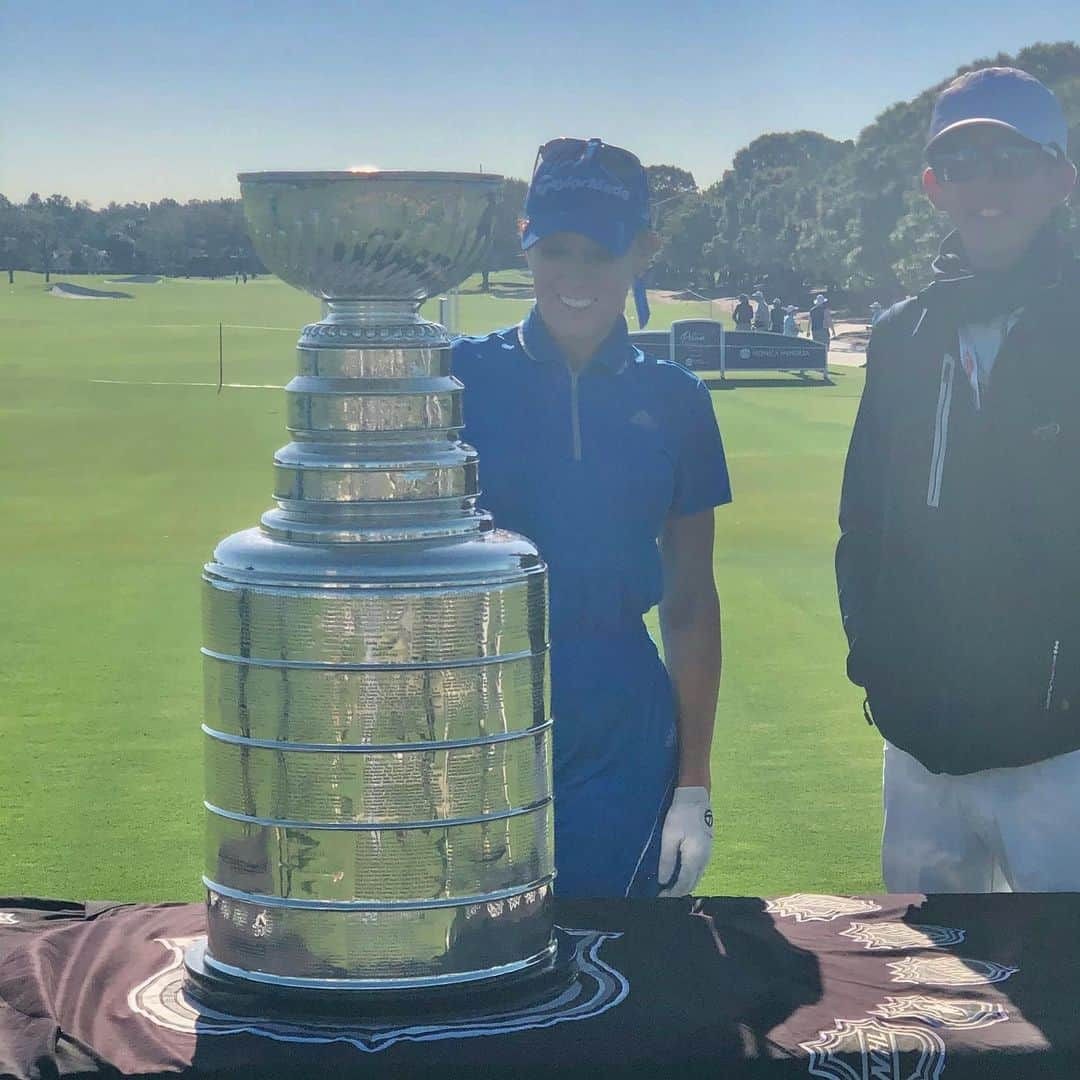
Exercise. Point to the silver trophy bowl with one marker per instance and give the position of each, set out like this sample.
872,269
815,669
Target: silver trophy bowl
370,236
377,725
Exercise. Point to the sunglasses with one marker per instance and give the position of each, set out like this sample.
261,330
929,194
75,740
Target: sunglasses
617,161
1004,161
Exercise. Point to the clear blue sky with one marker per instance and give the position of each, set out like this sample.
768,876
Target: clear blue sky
127,101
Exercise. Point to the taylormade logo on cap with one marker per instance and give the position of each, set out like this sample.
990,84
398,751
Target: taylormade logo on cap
597,191
545,185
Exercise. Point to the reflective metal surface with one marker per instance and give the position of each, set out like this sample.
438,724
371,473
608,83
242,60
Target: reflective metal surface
325,407
366,236
373,706
377,730
329,473
377,626
366,786
433,862
417,946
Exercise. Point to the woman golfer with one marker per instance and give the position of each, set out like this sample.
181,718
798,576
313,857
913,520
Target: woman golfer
612,463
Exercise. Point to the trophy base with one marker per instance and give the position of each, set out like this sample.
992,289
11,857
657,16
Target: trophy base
236,996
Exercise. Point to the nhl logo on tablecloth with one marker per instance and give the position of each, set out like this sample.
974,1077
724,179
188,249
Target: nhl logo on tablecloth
597,988
895,935
942,1012
863,1049
816,907
949,971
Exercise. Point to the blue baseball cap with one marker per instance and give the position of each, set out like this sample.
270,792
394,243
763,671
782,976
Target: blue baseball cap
1002,97
586,186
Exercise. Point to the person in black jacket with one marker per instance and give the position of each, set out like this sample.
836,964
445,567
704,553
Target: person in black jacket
743,313
821,324
958,565
776,315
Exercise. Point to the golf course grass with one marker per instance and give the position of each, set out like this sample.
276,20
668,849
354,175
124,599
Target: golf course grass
121,467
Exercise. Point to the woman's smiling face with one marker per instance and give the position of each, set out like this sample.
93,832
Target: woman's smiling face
580,286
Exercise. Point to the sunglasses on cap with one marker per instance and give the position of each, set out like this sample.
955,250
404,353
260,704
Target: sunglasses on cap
617,161
1002,161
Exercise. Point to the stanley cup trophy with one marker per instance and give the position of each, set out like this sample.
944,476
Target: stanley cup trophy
377,731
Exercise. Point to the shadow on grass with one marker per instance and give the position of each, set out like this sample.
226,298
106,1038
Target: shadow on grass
790,380
502,290
524,293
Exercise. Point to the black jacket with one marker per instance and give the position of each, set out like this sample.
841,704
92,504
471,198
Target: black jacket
959,561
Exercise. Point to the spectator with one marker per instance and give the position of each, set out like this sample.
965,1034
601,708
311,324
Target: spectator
743,313
762,316
776,317
821,325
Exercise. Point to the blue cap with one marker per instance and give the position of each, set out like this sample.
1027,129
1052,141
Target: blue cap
582,194
1002,97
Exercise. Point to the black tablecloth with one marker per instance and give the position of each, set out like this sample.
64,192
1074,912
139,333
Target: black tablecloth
850,988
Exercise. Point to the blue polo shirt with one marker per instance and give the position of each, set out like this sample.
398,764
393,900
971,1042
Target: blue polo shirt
590,466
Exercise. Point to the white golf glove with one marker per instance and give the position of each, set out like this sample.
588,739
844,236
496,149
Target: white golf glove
686,839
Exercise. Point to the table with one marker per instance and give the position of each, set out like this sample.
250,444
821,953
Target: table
845,988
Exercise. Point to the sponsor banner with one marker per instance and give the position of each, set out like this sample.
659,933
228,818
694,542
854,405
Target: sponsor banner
771,352
697,343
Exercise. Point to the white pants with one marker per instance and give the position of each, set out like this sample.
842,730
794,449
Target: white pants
999,830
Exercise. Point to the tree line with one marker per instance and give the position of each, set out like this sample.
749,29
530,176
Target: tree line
795,210
799,209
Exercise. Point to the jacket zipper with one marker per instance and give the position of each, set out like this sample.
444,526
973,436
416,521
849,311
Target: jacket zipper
941,425
575,412
575,415
941,431
1053,675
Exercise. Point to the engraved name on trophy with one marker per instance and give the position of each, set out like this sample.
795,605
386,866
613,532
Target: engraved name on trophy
377,729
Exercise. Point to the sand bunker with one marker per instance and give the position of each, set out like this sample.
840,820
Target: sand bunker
81,292
137,279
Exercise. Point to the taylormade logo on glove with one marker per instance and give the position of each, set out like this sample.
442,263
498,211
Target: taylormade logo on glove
686,841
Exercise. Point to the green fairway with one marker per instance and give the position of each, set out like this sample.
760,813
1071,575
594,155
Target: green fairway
122,467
